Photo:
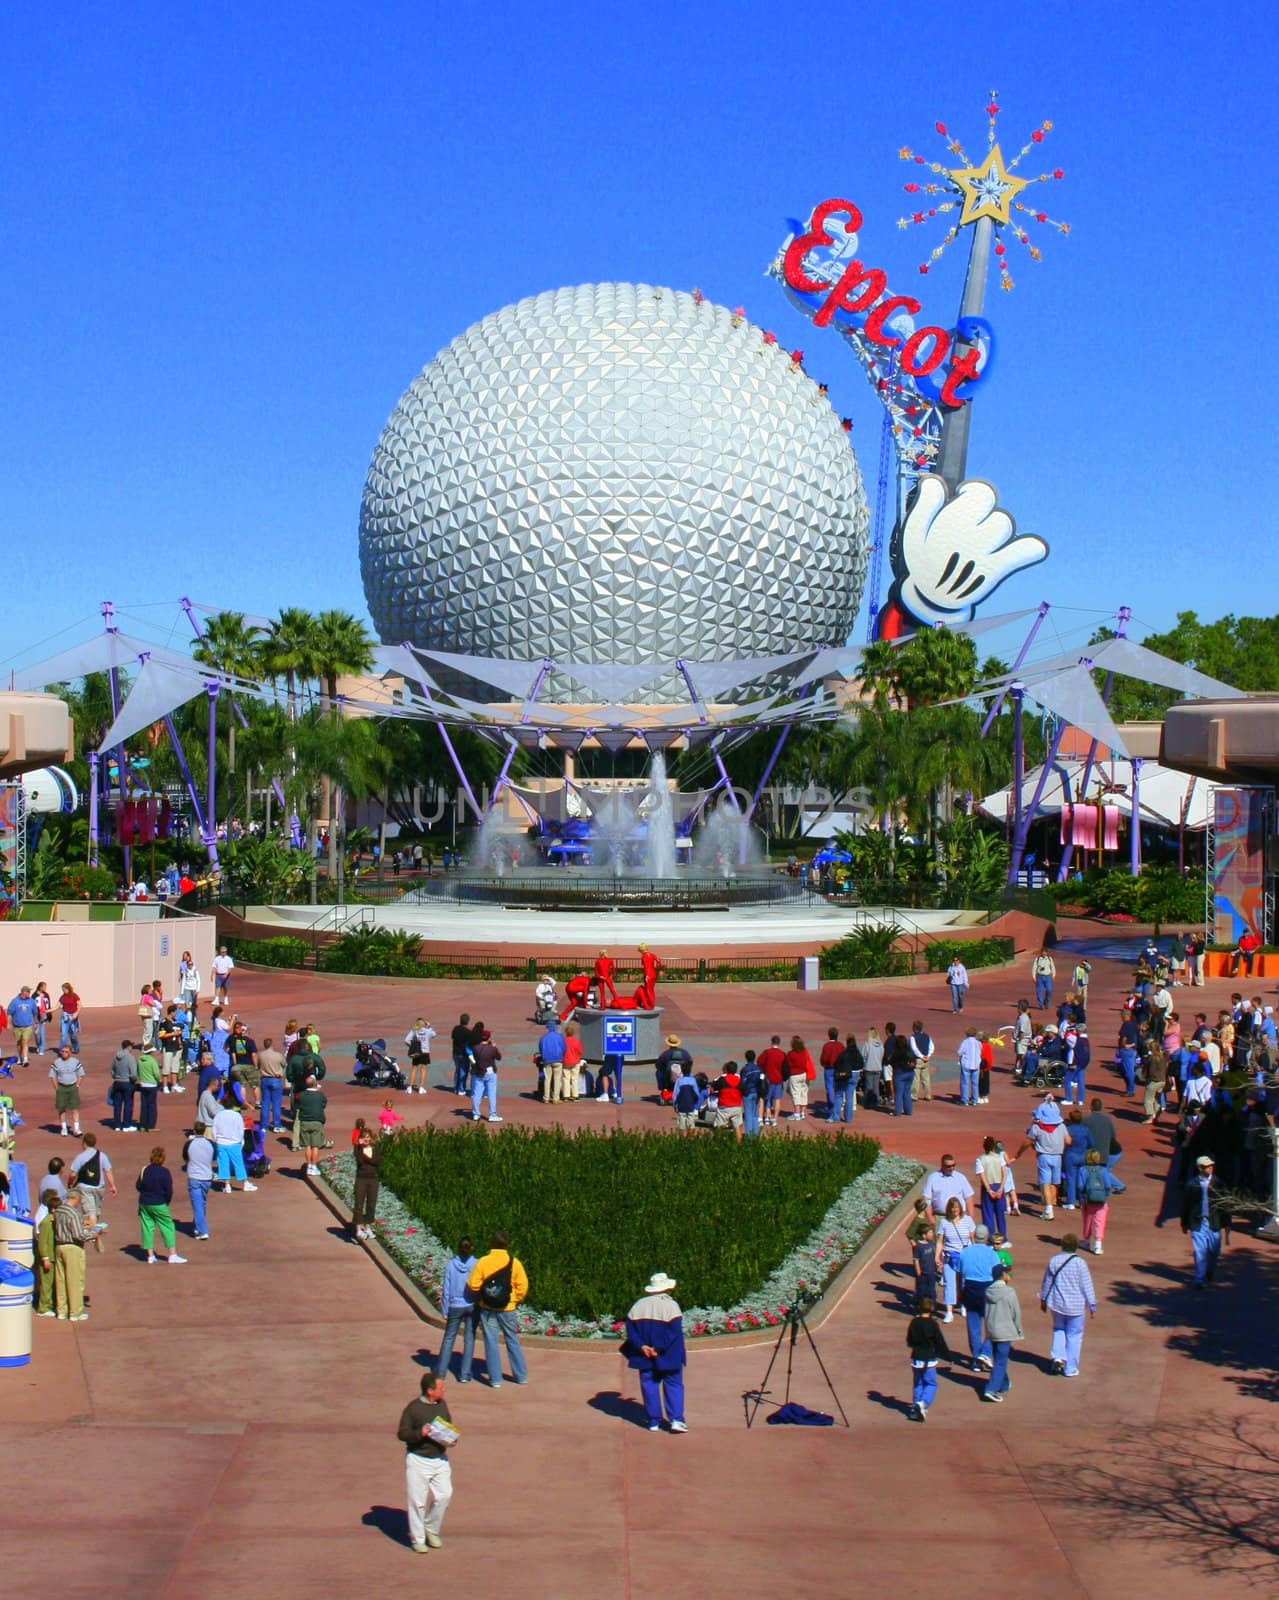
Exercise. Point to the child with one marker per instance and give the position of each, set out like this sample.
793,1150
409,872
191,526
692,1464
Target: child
1010,1185
927,1347
915,1227
359,1133
1099,1183
1003,1250
925,1254
389,1117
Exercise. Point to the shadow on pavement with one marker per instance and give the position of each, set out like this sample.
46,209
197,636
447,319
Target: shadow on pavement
392,1521
614,1404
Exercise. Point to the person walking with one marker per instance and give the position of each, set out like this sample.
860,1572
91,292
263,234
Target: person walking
198,1157
957,982
800,1072
1047,1137
1067,1292
1043,969
124,1082
22,1010
498,1284
1204,1219
69,1028
155,1194
1003,1329
44,1010
368,1180
1097,1184
977,1263
955,1232
418,1043
223,967
1078,1144
428,1477
66,1073
310,1111
927,1345
460,1313
654,1348
1023,1033
69,1261
969,1054
484,1078
1078,1058
189,981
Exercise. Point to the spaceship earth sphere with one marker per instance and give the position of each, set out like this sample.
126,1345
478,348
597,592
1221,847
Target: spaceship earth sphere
613,473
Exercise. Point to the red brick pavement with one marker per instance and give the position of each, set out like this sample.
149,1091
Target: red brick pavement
226,1428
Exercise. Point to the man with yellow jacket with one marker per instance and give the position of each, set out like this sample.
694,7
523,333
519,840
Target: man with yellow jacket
497,1284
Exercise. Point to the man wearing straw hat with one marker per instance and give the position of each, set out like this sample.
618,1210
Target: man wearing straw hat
654,1347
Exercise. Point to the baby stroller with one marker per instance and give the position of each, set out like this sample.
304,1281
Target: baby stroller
374,1068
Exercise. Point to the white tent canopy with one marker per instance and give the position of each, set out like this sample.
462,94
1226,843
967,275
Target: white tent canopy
1164,794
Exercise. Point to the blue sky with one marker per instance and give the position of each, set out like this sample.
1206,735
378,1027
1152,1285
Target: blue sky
233,235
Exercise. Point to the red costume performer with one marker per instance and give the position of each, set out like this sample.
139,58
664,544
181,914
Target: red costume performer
646,994
605,991
578,992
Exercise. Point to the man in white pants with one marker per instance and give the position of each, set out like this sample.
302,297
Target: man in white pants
428,1478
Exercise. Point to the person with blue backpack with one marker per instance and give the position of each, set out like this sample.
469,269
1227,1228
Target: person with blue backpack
686,1097
753,1087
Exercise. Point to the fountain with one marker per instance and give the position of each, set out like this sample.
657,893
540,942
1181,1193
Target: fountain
659,821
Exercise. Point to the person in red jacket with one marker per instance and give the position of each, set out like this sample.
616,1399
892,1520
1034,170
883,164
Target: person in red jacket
800,1072
773,1061
831,1052
728,1090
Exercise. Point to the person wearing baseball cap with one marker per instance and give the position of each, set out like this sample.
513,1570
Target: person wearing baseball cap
1203,1216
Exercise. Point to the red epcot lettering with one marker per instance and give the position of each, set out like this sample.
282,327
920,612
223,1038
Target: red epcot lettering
910,360
875,330
963,370
874,280
797,249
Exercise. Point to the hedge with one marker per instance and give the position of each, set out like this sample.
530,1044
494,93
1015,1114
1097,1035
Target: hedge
280,952
594,1214
992,952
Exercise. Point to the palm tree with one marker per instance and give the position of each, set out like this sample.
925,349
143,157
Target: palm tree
289,652
342,647
232,646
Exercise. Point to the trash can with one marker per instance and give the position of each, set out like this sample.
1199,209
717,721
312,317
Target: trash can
809,976
17,1240
17,1287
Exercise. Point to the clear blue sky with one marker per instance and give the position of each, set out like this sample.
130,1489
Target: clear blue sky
232,234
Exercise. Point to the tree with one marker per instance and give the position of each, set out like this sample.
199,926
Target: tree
1240,651
342,648
234,647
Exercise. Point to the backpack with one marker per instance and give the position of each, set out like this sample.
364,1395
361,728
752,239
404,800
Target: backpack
495,1291
1095,1191
90,1174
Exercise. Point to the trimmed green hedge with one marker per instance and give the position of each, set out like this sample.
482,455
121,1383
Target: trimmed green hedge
592,1215
281,952
972,952
867,953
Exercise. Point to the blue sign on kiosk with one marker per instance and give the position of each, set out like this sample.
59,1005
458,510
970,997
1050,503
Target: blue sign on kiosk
619,1036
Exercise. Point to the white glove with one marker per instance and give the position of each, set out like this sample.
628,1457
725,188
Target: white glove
956,552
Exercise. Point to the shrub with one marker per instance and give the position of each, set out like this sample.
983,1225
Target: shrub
281,952
374,953
82,882
867,953
593,1215
973,952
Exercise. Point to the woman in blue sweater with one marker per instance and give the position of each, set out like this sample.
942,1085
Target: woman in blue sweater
155,1190
459,1312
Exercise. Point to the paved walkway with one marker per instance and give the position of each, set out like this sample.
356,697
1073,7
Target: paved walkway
227,1428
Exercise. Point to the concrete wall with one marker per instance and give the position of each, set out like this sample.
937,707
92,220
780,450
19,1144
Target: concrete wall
106,962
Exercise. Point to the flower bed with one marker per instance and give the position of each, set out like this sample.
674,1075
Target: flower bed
805,1260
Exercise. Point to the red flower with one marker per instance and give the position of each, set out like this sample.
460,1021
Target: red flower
912,188
1038,136
993,109
941,128
917,216
924,270
1058,173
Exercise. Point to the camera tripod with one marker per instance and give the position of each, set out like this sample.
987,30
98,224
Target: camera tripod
789,1331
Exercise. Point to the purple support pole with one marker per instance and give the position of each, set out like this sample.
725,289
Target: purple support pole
93,808
1019,769
211,813
114,680
1035,626
1023,831
524,717
192,791
1122,619
768,770
1134,841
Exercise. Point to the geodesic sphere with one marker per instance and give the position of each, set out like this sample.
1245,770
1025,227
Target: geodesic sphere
612,473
